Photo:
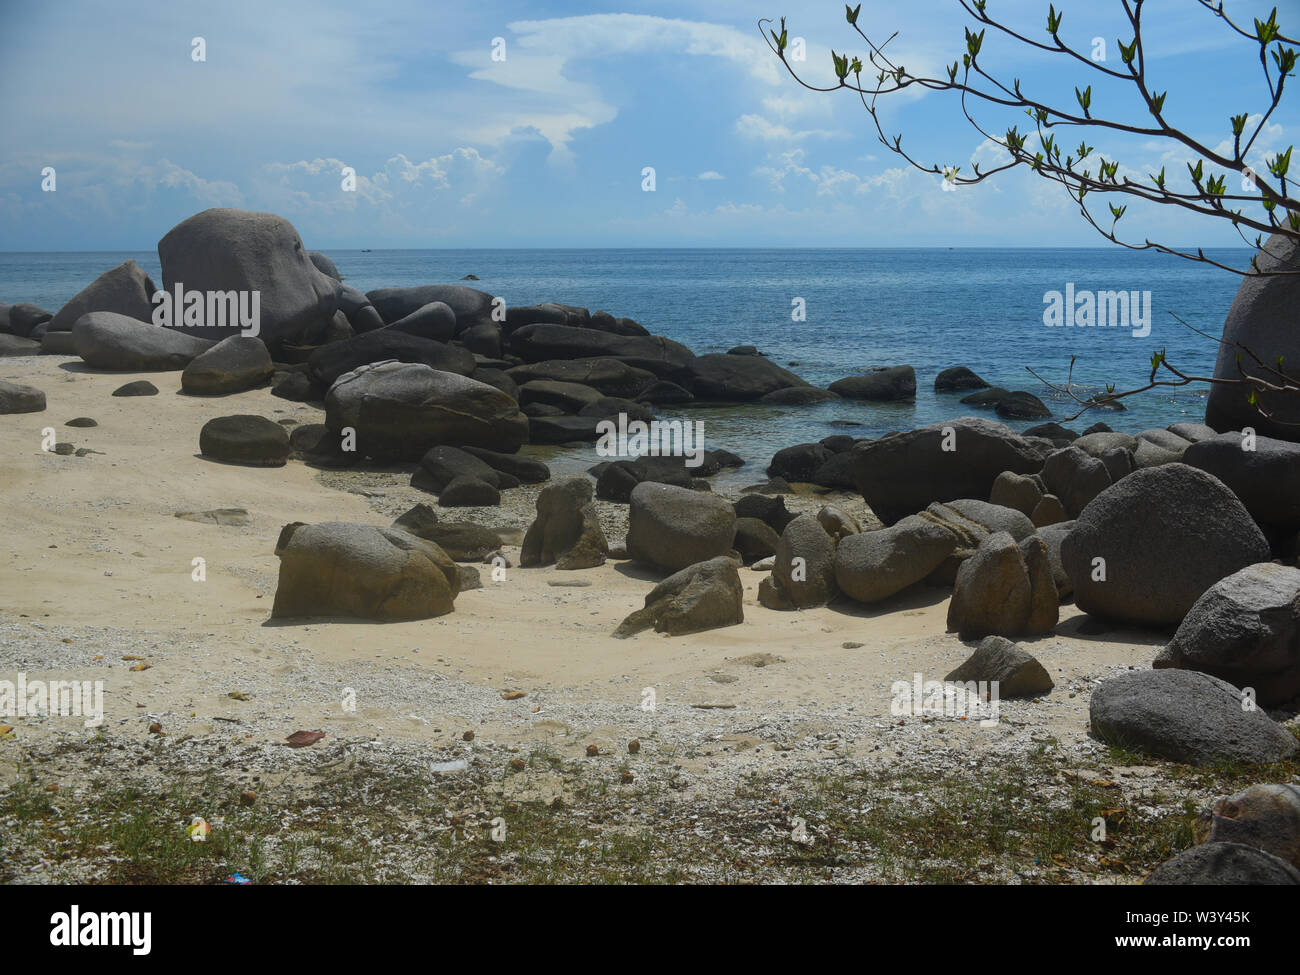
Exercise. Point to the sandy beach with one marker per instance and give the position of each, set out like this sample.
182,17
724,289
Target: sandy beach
98,580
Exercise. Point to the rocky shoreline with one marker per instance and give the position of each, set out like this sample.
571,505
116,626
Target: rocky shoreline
431,409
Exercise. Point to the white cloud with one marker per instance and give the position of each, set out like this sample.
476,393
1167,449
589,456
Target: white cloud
710,174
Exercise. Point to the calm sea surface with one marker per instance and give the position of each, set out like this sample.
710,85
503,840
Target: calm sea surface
929,308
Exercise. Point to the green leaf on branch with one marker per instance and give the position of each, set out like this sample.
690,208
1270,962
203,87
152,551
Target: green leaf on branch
1053,19
851,15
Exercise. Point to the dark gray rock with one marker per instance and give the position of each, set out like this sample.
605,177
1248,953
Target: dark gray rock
563,429
524,469
958,377
106,340
324,265
435,321
1224,865
1264,319
1165,535
25,317
798,396
1266,817
1020,405
1266,478
540,343
736,378
1245,629
326,364
141,387
443,464
1185,716
402,409
245,439
1075,477
469,492
610,376
885,383
871,566
463,541
672,527
471,307
126,290
902,474
798,463
804,570
569,397
755,540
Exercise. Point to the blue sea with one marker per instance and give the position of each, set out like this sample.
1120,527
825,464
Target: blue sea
929,308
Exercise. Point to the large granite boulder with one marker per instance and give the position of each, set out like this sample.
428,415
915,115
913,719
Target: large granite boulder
1262,471
1245,629
107,340
1185,716
673,527
902,474
610,376
435,321
1163,536
471,307
538,343
402,409
340,569
1265,318
240,251
326,364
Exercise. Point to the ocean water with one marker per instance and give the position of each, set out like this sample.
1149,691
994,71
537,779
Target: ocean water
925,307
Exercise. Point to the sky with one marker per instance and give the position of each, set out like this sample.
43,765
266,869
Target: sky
546,145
